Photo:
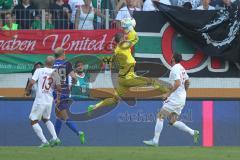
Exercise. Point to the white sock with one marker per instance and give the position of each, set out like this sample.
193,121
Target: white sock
51,129
180,125
38,130
158,130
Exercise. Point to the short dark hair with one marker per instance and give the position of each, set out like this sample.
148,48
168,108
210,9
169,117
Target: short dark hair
118,36
77,63
187,5
177,57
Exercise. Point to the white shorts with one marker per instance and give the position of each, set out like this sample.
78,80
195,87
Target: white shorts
40,111
172,107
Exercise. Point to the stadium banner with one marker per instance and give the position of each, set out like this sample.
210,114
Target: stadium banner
45,41
216,120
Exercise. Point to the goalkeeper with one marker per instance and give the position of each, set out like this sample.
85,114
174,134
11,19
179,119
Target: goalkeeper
125,61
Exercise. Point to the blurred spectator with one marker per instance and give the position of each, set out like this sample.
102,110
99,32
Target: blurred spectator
120,4
75,4
205,5
1,22
24,13
37,23
194,3
139,3
101,5
224,4
6,4
127,11
81,88
9,24
187,5
85,16
61,13
149,5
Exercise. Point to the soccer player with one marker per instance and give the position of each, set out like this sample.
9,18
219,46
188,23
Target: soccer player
46,79
174,102
65,70
126,63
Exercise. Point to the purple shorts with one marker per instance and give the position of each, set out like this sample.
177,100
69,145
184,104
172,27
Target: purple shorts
65,104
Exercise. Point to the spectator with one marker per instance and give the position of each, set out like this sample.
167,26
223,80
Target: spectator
1,22
225,4
101,5
187,5
205,5
9,25
149,5
195,3
37,23
6,4
61,13
85,16
24,13
127,11
120,4
75,4
81,88
139,3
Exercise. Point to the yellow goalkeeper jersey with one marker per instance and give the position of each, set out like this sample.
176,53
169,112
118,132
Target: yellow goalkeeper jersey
123,55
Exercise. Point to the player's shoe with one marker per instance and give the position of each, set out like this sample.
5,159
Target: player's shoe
150,143
55,142
196,136
44,145
90,108
82,137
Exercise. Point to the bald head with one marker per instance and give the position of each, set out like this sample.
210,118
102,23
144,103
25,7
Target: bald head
49,61
59,53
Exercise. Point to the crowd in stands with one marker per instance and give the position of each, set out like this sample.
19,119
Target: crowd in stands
84,14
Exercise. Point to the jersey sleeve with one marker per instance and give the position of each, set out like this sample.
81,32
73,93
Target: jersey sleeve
133,37
175,75
35,76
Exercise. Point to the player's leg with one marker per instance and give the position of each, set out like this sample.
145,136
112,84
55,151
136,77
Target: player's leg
58,122
62,114
173,120
112,101
46,119
140,81
158,128
35,116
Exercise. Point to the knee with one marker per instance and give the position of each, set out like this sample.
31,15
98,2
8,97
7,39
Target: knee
33,122
160,116
45,120
172,118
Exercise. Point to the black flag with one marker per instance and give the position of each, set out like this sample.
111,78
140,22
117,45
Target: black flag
215,32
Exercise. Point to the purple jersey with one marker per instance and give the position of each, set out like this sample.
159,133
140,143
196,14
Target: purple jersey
64,69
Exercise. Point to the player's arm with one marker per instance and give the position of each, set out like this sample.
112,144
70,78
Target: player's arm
133,37
56,77
187,84
29,87
73,76
175,86
32,82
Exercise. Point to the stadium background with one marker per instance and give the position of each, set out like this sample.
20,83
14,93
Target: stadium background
213,105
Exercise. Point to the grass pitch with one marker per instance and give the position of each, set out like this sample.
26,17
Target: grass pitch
120,153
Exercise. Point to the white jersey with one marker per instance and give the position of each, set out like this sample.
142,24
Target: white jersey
45,83
179,95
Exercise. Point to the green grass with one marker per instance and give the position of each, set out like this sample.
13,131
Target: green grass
120,153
